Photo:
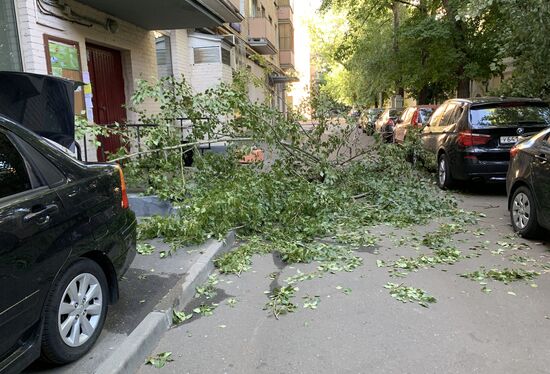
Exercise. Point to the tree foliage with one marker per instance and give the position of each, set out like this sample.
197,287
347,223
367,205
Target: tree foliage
432,49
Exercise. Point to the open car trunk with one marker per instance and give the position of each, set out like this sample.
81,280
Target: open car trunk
40,103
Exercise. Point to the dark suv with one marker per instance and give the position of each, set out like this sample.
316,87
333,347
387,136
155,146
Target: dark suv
67,235
528,186
472,138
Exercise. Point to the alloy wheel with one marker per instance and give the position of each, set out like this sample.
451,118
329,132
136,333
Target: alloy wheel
80,310
521,210
442,172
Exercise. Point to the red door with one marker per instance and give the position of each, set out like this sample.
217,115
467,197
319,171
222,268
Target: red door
105,66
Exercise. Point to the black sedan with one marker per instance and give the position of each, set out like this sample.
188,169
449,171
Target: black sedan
471,139
528,185
67,236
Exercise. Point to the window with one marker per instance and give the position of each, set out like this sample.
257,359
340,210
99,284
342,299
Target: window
14,177
207,55
286,37
226,57
253,8
425,114
10,54
509,114
452,112
164,56
212,55
408,115
436,117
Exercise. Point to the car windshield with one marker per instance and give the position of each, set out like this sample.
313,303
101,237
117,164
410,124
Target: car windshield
510,114
425,114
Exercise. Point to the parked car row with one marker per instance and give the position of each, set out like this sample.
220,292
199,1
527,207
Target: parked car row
491,139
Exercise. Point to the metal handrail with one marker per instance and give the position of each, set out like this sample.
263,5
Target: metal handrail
138,126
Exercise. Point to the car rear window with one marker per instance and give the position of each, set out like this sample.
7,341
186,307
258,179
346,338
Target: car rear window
510,114
425,114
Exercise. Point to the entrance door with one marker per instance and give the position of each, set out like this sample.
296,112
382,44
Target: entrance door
105,66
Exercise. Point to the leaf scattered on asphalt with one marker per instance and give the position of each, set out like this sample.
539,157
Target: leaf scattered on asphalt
205,310
505,275
179,317
145,249
160,360
311,302
280,301
407,294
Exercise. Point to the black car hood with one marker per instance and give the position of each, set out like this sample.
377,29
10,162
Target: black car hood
40,103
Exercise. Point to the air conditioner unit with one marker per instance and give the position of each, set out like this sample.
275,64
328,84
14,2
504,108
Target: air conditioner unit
230,39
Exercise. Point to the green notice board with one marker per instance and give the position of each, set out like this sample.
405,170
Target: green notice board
63,56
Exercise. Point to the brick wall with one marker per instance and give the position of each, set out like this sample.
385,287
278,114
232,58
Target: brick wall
136,44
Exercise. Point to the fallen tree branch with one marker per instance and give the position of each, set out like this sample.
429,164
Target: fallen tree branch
181,146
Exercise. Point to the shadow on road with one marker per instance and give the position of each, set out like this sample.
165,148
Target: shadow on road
481,189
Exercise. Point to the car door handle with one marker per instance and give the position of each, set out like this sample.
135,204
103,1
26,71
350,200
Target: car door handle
43,214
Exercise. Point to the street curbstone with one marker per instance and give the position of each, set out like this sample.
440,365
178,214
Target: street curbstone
137,346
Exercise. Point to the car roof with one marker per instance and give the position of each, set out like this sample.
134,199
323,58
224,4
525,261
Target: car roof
497,100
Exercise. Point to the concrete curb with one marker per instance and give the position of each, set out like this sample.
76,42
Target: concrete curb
135,348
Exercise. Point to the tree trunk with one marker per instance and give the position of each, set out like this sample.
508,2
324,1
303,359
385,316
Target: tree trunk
463,86
395,9
463,89
424,96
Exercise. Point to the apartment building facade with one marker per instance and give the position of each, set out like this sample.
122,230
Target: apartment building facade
108,48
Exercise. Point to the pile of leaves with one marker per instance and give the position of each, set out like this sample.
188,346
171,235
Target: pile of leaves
505,275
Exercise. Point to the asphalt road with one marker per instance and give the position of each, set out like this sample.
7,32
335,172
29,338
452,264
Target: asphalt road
367,331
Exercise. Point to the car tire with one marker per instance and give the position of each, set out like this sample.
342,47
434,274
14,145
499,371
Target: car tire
523,213
444,177
66,337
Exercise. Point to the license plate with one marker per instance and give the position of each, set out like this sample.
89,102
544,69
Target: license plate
508,139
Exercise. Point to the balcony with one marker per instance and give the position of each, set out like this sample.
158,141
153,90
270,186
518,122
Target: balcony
287,59
262,36
286,14
170,14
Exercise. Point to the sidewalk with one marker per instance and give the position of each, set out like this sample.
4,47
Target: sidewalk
148,286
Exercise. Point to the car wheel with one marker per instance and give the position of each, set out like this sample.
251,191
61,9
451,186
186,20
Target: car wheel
524,213
444,178
75,312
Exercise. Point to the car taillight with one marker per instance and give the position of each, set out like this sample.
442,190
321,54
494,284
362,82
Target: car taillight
125,204
513,152
469,139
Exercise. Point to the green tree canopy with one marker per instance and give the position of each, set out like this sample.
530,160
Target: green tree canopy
433,49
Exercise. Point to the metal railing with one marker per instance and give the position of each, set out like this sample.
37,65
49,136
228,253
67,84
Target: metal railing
131,136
